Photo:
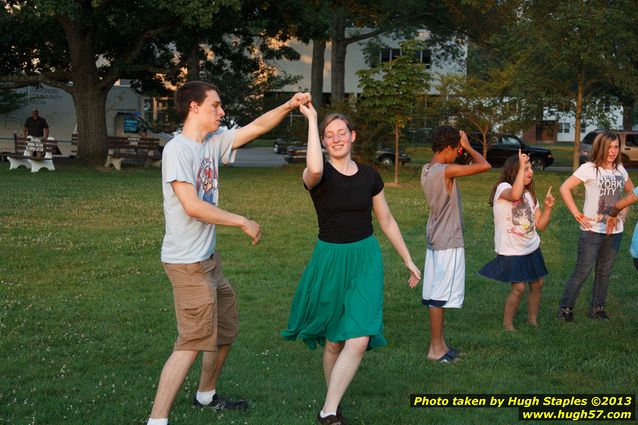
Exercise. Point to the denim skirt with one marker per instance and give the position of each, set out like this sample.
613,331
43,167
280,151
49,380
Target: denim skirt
516,268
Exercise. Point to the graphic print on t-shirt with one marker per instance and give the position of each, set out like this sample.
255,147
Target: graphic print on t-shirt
207,180
610,192
522,218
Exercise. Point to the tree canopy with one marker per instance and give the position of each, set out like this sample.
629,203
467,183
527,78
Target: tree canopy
85,47
568,55
395,91
483,103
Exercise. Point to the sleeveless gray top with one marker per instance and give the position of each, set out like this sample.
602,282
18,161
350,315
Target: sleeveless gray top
444,228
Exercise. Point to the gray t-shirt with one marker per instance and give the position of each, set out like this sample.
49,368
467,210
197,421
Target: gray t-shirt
188,240
444,228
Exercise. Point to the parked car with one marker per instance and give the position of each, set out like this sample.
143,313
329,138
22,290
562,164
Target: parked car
384,155
280,146
502,146
628,146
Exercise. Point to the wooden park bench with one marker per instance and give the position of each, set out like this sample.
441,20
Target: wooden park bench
139,150
33,153
74,145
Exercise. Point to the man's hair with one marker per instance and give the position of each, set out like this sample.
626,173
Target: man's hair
444,136
192,91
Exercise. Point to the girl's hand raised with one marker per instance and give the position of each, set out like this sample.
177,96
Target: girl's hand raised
308,110
523,159
299,99
549,199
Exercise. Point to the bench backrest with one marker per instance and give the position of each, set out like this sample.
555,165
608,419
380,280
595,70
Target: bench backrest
135,143
21,144
74,144
120,143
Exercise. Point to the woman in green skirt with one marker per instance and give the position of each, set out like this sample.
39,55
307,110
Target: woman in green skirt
339,300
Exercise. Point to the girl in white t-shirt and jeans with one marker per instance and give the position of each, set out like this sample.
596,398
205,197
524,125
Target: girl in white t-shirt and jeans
517,215
604,179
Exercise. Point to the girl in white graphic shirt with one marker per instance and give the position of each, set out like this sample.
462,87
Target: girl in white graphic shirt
517,215
604,179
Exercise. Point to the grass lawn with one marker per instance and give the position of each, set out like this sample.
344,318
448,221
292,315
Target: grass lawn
87,321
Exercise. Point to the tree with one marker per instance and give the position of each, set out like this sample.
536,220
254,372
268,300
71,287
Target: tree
234,51
564,52
243,88
10,101
312,26
483,103
354,21
85,47
343,22
395,90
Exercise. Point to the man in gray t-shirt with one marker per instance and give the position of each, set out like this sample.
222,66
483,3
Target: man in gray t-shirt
205,306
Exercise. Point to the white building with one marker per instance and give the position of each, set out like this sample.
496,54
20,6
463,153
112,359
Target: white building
433,59
566,125
555,128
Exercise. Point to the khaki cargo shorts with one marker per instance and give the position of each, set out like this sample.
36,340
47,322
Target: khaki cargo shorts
205,305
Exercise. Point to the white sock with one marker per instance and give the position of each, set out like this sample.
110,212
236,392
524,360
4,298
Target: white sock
325,415
205,397
162,421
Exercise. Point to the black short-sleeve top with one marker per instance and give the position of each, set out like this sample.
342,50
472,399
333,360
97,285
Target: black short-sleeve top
344,203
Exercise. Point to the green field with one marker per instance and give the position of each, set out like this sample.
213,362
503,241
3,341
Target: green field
86,315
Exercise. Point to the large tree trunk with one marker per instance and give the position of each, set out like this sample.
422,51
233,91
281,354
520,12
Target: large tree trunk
538,123
90,107
338,56
193,67
316,79
89,93
579,110
486,142
396,151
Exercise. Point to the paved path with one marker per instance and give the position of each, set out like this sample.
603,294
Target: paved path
258,157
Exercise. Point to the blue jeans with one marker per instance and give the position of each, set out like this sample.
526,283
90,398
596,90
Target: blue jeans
596,249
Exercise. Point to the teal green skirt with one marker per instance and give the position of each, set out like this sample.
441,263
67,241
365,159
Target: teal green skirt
340,295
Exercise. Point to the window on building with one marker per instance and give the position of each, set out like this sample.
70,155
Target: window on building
563,127
583,127
424,56
388,54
